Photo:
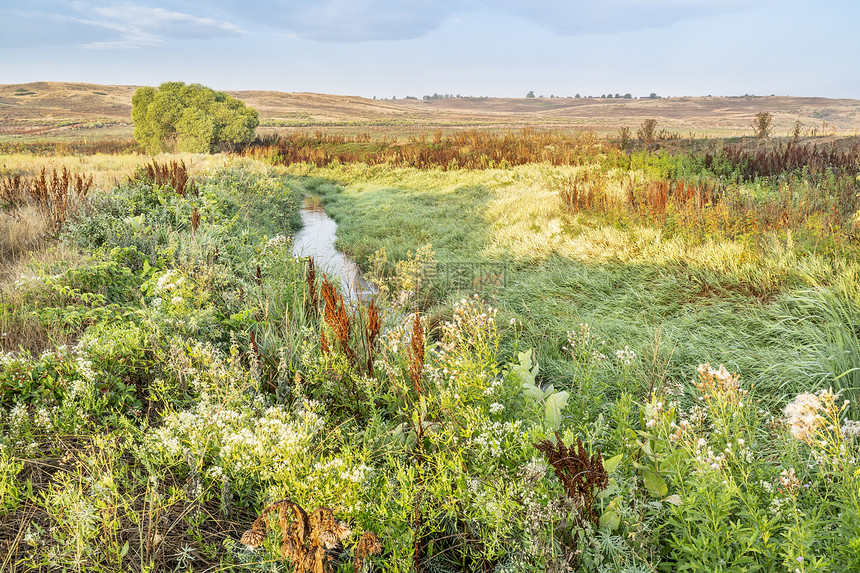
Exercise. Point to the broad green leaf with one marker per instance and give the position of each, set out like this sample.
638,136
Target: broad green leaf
610,519
612,463
654,483
554,405
532,391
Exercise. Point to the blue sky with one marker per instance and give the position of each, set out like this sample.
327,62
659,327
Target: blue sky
388,48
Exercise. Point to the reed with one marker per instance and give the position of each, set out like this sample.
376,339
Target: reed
466,150
173,174
770,161
74,147
14,190
58,195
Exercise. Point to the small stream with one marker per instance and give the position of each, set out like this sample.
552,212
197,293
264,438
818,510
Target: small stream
316,239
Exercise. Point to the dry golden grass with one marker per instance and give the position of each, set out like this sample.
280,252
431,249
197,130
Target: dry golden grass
24,245
22,232
76,110
107,170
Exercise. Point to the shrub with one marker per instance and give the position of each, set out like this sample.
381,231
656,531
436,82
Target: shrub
646,132
179,117
762,124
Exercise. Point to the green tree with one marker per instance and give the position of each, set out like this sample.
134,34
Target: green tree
180,117
531,94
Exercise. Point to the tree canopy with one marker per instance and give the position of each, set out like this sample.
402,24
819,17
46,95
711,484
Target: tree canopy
195,118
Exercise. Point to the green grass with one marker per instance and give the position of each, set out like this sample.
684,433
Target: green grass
182,377
721,302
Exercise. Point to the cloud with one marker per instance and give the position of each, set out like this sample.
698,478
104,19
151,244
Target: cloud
345,20
103,25
22,29
372,20
141,25
137,23
578,17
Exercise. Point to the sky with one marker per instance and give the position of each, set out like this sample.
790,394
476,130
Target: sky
399,48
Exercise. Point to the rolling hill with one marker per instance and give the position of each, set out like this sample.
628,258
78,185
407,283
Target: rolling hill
43,110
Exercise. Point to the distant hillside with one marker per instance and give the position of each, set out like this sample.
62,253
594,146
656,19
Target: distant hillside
74,110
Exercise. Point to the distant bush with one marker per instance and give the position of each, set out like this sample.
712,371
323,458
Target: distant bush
646,132
179,117
762,124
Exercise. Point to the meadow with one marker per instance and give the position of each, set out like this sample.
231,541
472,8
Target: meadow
585,354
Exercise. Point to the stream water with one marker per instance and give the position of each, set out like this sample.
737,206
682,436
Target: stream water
316,239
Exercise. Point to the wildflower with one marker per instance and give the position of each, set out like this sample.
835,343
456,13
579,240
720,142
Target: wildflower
803,417
18,416
788,480
276,241
43,419
850,429
495,408
720,384
625,356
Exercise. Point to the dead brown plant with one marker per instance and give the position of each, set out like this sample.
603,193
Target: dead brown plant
173,174
58,195
309,541
582,476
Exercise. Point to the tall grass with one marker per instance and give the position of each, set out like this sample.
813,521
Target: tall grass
710,290
770,161
216,374
824,324
466,150
65,148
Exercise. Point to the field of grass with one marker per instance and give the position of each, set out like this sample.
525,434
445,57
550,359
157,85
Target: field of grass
580,359
64,112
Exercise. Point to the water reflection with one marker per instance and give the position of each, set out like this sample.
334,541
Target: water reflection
316,239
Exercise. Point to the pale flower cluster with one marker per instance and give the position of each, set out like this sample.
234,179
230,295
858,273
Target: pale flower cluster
625,356
803,416
276,242
357,474
706,457
814,420
788,481
851,429
467,353
472,323
720,384
169,281
19,419
585,346
241,440
494,437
